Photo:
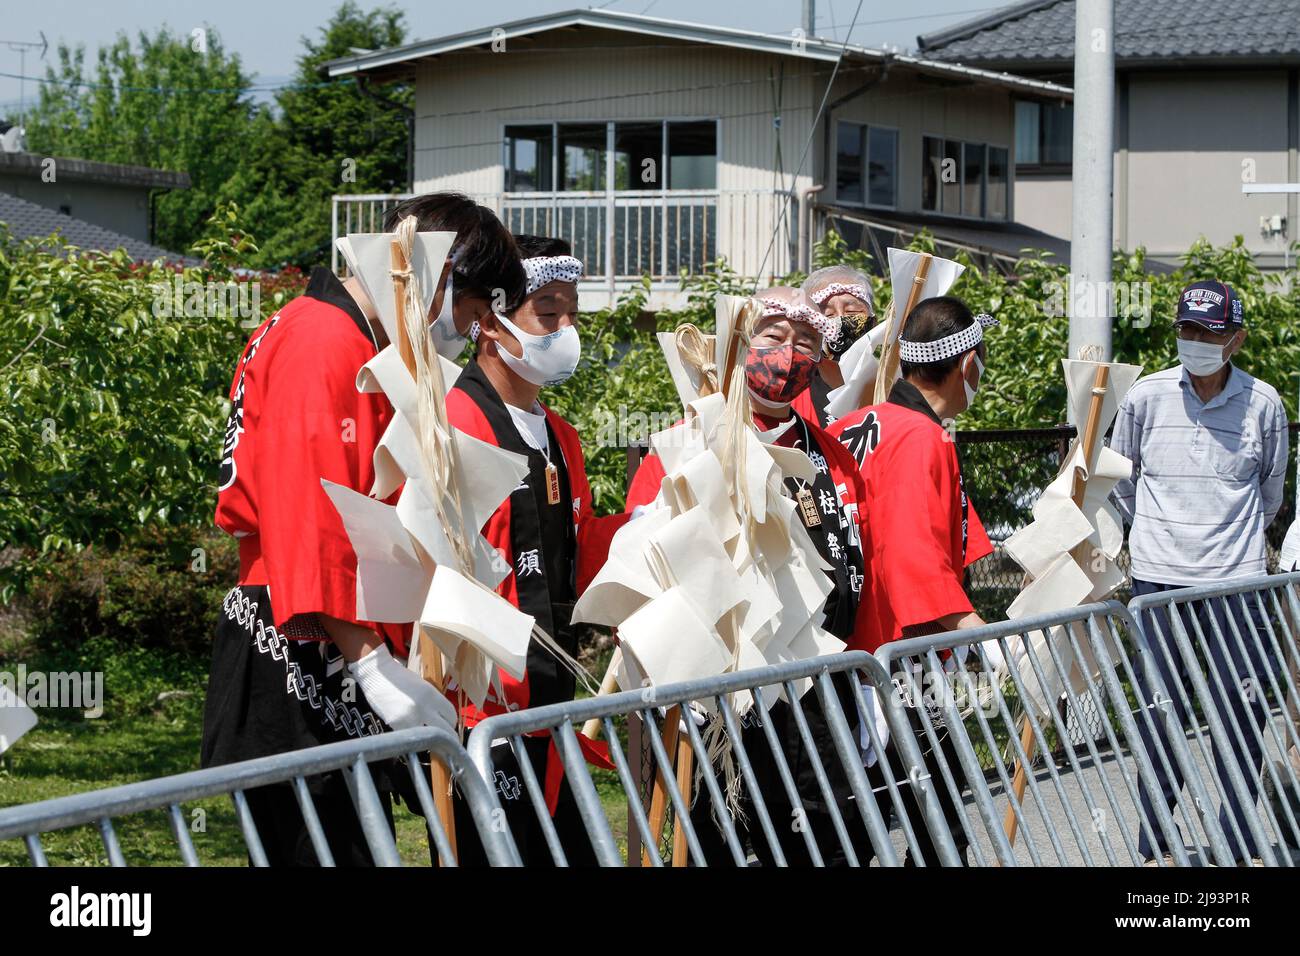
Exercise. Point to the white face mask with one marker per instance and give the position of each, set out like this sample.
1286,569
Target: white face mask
970,392
447,342
1201,358
547,359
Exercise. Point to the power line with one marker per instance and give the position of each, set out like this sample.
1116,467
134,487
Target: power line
252,88
812,131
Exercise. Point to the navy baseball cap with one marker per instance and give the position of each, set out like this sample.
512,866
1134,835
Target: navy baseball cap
1212,305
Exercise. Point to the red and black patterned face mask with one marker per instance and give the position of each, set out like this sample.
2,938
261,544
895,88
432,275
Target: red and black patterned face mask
779,373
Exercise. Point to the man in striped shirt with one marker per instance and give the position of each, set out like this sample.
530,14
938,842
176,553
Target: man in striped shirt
1209,450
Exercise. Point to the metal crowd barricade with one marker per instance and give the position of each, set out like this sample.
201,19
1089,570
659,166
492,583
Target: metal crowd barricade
859,825
101,807
1038,795
1226,660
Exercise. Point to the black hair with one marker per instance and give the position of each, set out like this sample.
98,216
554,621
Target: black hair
532,247
931,320
488,259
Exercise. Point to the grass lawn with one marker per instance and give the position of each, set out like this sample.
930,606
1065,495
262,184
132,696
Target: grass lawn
66,753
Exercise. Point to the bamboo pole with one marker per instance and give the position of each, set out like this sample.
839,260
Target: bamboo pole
430,656
1100,383
889,351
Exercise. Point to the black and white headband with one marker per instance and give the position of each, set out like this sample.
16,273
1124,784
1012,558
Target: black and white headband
924,353
544,269
840,288
540,270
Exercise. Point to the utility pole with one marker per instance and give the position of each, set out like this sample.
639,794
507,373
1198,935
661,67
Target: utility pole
809,18
1091,298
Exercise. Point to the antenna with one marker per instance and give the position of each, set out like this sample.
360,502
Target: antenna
22,46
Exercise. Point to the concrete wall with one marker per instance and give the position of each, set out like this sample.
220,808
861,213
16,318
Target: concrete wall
123,209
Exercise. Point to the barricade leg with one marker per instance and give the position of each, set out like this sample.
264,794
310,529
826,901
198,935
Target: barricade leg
1171,671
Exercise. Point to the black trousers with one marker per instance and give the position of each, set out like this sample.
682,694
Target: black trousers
793,822
911,805
283,831
815,819
520,816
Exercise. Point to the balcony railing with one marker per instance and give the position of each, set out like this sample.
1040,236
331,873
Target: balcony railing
624,235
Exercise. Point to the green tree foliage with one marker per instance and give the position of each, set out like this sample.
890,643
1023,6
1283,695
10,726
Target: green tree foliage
114,390
326,137
163,103
183,102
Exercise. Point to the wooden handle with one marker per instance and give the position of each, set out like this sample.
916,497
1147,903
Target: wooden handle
439,775
889,354
591,729
685,771
1090,438
1021,778
1092,427
659,796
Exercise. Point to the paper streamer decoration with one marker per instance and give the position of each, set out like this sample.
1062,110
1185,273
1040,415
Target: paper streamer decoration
16,718
720,574
408,565
1068,551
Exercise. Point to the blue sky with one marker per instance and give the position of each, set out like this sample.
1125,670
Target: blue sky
266,35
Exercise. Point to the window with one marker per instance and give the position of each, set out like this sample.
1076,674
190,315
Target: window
866,164
972,179
848,162
638,148
964,179
931,172
528,159
582,156
693,155
950,188
995,190
1044,133
649,155
882,158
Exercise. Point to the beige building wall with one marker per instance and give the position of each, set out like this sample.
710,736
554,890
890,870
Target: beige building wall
464,101
1181,158
918,107
1191,138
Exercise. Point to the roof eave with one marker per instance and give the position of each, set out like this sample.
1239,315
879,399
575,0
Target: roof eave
812,49
86,170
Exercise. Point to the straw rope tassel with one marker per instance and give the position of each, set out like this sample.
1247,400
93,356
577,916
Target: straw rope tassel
430,656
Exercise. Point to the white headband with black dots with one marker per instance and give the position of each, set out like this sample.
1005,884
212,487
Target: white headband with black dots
925,353
827,325
840,288
544,269
540,270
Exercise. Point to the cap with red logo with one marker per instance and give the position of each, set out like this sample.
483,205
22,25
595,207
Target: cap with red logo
1210,304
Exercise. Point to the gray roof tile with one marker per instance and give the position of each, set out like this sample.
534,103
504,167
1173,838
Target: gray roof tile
26,220
1042,32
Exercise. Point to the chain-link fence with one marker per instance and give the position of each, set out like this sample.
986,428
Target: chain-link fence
1004,472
